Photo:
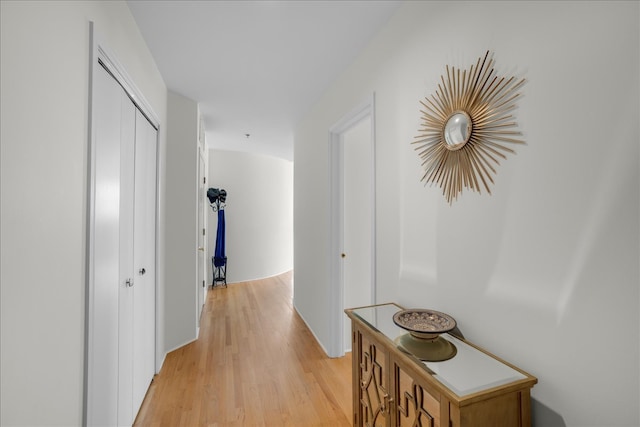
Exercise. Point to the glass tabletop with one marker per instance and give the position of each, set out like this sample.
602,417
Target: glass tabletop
468,372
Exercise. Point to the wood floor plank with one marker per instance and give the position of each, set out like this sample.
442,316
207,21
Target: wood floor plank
254,364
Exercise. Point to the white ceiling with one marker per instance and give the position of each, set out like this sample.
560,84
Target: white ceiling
256,67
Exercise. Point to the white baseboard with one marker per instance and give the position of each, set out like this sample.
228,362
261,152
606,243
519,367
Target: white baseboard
311,330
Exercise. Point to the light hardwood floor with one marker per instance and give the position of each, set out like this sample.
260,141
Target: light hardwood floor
254,364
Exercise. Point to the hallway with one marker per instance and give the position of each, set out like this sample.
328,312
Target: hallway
254,364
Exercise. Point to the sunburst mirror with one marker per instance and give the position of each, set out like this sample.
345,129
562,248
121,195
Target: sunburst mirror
466,127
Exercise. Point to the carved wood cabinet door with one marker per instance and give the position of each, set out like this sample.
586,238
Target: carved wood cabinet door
374,399
415,406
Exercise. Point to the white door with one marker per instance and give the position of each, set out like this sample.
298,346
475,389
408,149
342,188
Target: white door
103,336
144,259
121,335
202,268
352,250
357,219
126,283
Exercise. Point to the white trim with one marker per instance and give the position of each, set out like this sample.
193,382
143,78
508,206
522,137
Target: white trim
111,64
90,233
179,346
310,329
336,232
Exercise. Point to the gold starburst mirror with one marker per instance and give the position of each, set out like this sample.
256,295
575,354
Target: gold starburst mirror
466,126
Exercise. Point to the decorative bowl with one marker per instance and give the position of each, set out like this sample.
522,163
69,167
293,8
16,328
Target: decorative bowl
424,324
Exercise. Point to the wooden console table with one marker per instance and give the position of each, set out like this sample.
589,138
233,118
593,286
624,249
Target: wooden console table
393,388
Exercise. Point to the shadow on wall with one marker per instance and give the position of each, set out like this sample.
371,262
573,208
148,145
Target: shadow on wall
543,416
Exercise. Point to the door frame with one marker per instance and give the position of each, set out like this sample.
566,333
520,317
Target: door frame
336,208
101,56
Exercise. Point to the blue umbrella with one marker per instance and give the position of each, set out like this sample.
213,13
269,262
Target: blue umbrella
219,256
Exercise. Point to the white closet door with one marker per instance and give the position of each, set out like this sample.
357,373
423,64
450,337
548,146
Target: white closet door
127,279
144,299
102,399
122,302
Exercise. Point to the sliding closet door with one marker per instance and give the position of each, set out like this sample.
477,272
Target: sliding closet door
144,297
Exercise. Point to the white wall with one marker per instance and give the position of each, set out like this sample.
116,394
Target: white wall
181,263
258,216
543,272
44,81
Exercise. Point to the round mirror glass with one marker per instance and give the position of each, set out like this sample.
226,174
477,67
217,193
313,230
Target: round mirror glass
457,130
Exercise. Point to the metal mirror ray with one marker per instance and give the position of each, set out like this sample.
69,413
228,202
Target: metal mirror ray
466,127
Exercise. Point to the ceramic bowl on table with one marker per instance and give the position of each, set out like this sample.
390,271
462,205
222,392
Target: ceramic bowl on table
424,339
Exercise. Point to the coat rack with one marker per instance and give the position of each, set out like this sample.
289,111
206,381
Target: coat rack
217,199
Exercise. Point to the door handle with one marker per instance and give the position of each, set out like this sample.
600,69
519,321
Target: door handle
142,271
129,283
201,249
343,255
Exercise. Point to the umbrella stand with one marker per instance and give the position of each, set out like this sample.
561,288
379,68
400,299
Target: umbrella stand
219,259
219,272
